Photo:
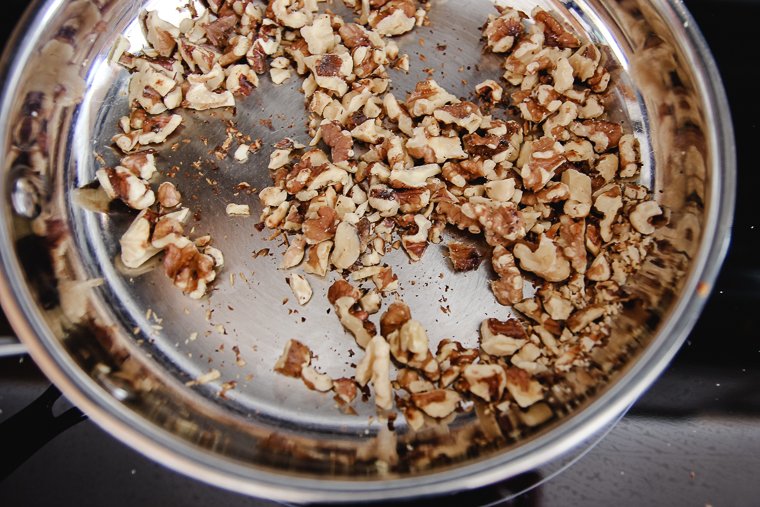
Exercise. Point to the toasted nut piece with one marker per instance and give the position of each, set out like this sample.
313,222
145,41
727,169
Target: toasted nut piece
508,289
486,381
279,158
525,390
582,318
557,307
190,270
272,196
352,323
502,221
347,246
301,288
434,149
136,248
439,403
599,271
168,195
339,140
141,163
169,231
121,183
427,97
547,261
413,382
462,114
318,258
384,200
371,302
490,91
323,227
295,357
607,166
238,210
630,156
500,190
584,61
294,254
499,338
545,158
464,257
375,367
642,215
289,15
415,177
571,239
319,35
579,203
608,203
555,34
603,134
241,153
316,381
199,97
500,32
329,71
415,244
279,76
395,17
345,390
409,345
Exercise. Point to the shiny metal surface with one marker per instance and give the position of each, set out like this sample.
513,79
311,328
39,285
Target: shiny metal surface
269,436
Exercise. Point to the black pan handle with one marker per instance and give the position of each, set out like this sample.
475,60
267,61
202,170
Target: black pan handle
26,432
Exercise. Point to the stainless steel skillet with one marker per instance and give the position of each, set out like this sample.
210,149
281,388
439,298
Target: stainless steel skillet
124,350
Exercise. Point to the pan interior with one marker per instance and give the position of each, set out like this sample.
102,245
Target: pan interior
244,324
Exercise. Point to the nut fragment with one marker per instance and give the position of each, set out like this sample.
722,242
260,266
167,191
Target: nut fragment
438,403
375,367
499,338
486,381
301,288
464,257
237,210
546,261
295,357
168,195
347,246
642,215
525,390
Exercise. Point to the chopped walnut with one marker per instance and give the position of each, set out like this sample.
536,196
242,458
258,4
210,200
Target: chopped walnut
501,32
294,359
438,403
499,338
190,269
375,367
525,390
122,184
301,288
238,210
464,257
427,97
395,17
486,381
546,261
508,289
642,215
135,243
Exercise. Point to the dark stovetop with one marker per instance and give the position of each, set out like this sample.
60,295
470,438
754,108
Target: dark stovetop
693,439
